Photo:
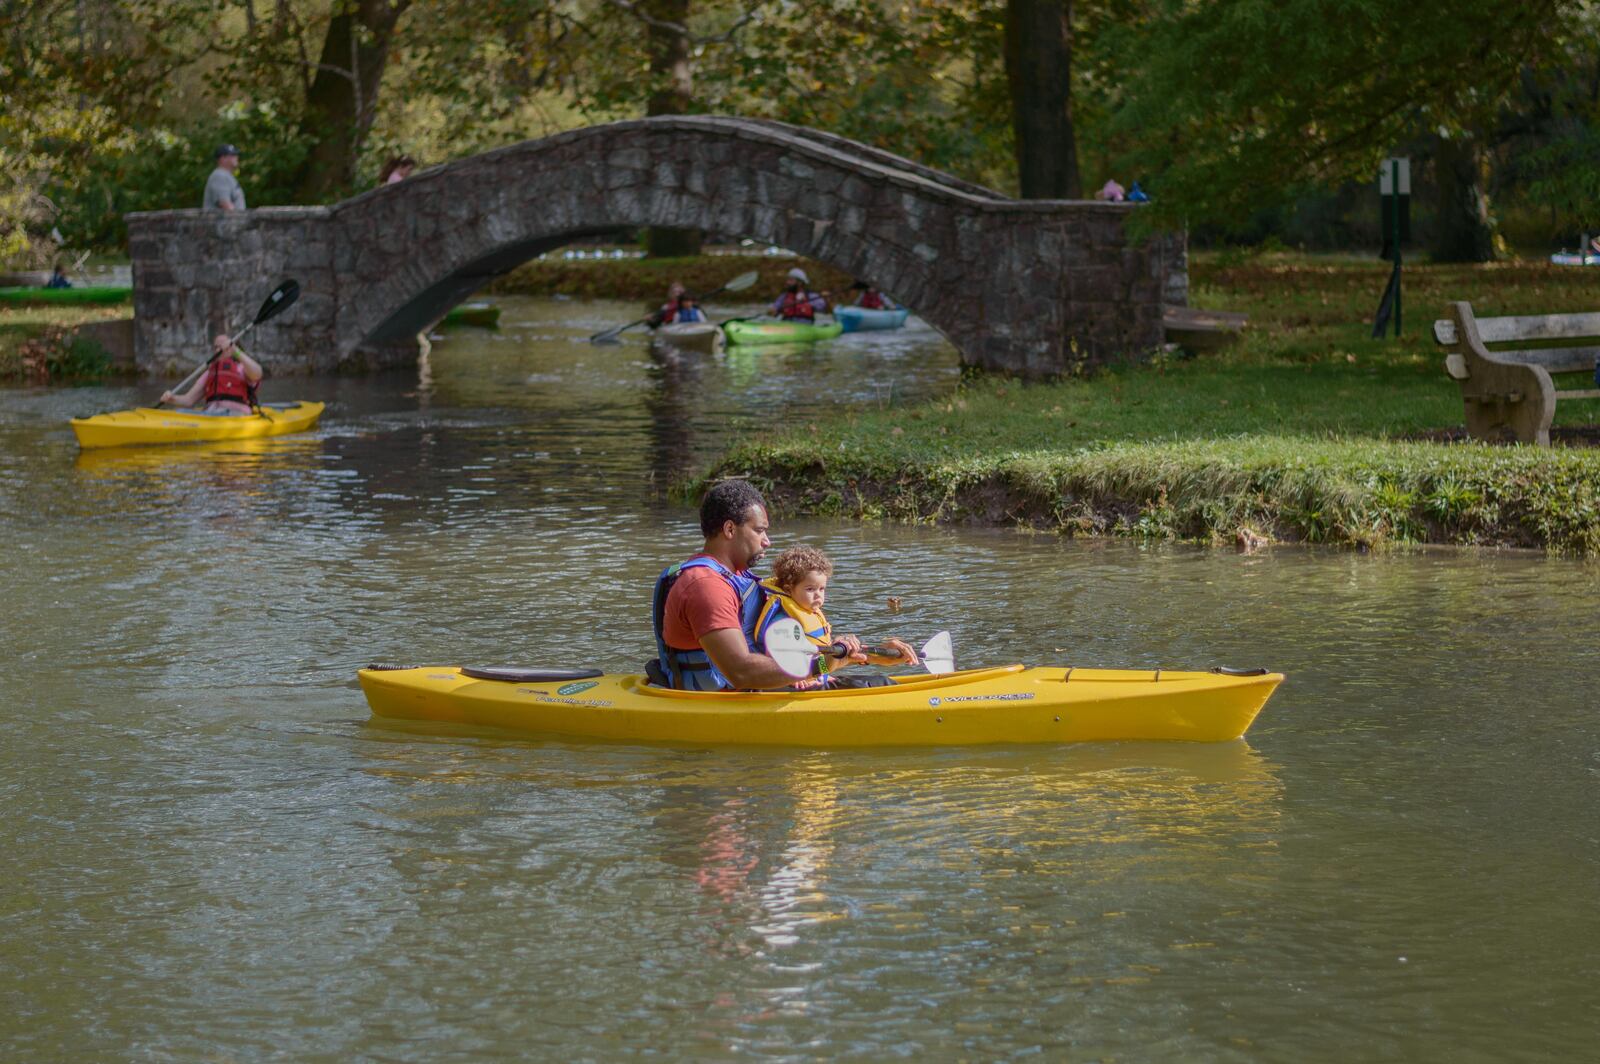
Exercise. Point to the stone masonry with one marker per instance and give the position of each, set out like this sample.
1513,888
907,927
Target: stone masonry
1037,288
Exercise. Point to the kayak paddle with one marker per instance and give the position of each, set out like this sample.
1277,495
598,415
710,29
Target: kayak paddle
281,299
738,284
786,644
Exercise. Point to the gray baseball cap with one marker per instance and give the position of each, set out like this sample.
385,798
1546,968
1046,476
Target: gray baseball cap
226,149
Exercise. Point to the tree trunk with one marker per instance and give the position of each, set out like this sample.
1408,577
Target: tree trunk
672,93
1463,228
343,98
1039,70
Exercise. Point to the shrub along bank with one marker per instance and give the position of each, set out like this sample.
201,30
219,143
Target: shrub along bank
1307,430
41,345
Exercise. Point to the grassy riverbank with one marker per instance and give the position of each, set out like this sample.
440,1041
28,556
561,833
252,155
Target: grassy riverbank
39,345
1307,430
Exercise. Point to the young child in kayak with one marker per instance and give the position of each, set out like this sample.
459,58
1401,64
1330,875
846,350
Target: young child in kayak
797,588
688,310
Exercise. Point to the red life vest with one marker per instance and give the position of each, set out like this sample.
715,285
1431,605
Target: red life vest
871,301
793,305
226,380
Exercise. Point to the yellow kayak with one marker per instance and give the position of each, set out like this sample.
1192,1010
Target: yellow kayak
1011,704
147,425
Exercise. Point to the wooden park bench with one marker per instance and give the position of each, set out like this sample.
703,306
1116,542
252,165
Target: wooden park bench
1511,389
1202,330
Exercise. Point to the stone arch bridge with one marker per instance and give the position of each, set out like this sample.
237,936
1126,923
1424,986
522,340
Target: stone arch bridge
1035,288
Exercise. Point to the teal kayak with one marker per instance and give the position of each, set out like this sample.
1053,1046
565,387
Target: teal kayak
864,319
88,294
779,332
484,314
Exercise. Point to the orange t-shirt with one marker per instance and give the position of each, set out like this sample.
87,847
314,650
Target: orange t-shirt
700,601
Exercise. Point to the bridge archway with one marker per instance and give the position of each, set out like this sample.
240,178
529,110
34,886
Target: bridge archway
1032,287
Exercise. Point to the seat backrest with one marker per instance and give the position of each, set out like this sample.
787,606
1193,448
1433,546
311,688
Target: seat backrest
1524,328
1537,331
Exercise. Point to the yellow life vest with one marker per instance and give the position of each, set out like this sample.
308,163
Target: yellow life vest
779,605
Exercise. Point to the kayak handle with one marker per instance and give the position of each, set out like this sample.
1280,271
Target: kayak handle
1223,670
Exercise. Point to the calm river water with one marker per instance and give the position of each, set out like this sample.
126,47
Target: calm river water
211,853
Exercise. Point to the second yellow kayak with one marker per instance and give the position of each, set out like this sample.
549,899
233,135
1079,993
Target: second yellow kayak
151,425
1010,704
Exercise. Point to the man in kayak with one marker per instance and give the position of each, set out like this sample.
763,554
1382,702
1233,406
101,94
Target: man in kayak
706,608
798,302
228,386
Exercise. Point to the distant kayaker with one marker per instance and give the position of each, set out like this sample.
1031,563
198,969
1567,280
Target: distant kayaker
706,609
58,278
223,190
228,386
797,589
798,302
688,310
668,311
870,298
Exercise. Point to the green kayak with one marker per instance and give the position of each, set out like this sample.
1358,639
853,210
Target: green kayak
484,314
779,332
89,294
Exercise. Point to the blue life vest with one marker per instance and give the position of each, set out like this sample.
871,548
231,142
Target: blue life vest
692,670
689,314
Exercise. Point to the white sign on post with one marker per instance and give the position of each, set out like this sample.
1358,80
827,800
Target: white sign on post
1386,177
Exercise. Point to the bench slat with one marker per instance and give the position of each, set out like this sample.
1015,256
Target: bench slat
1524,327
1587,393
1554,359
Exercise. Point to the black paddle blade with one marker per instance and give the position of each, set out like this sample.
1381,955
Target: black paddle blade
281,299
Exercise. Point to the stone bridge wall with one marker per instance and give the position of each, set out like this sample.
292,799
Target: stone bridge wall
1036,288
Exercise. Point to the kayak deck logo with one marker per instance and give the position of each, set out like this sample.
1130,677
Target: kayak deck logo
576,688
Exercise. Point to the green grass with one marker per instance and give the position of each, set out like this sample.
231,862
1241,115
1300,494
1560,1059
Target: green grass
19,325
1298,432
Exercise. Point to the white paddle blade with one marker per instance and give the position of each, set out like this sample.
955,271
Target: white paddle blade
741,282
939,654
787,645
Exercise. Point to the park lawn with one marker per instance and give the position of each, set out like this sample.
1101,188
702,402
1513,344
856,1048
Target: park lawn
20,324
1299,432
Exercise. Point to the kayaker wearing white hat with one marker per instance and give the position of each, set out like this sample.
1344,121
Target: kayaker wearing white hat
798,302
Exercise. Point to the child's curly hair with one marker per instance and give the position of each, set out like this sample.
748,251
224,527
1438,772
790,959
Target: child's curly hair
793,565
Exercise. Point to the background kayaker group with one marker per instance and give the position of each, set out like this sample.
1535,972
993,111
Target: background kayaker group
797,302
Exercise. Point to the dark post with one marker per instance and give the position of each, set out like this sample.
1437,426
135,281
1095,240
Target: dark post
1394,231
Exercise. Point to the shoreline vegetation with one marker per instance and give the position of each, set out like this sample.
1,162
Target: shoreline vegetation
41,345
1306,430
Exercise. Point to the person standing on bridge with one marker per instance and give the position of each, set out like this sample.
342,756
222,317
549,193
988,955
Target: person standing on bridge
223,190
798,302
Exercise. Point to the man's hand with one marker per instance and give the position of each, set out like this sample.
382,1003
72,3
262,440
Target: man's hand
908,656
743,667
854,654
